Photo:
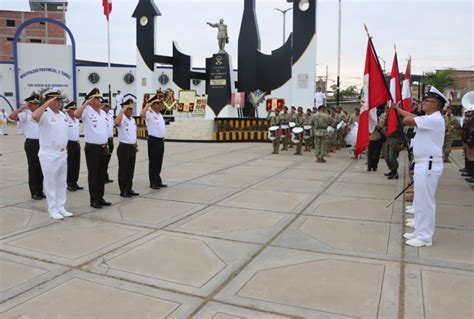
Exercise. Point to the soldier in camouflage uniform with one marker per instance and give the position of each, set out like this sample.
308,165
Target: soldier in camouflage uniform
333,133
292,118
452,126
274,121
320,122
299,120
284,119
308,143
393,146
340,116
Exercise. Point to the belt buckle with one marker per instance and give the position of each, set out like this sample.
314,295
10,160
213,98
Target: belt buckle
61,150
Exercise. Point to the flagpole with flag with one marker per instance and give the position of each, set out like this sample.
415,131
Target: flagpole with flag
406,89
107,4
395,92
375,93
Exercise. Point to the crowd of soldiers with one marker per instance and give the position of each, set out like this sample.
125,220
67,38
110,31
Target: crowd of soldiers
320,128
53,150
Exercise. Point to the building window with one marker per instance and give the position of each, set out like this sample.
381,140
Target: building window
9,39
10,23
42,23
35,40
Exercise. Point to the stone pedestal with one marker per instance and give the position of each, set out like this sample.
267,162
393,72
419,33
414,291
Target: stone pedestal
219,83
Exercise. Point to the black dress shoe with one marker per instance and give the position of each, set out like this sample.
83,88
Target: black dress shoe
470,180
162,185
42,195
374,169
369,169
127,195
96,205
154,186
104,203
462,170
109,181
133,193
71,188
388,174
395,176
77,187
37,197
466,174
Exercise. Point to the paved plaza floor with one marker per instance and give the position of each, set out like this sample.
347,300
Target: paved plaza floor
239,233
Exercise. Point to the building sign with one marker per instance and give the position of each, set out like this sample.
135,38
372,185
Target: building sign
186,100
42,66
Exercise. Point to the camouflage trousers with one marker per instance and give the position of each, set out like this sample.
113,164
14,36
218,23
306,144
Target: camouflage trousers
391,153
448,143
321,145
276,145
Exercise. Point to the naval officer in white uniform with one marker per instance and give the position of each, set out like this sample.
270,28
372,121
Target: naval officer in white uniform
428,153
29,128
53,136
96,149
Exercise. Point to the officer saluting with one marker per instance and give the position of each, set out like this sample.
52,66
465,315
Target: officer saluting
428,152
30,128
53,138
127,148
73,148
156,135
96,136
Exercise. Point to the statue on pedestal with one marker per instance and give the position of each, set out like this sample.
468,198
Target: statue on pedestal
222,37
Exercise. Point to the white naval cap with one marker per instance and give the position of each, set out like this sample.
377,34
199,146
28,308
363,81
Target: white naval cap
53,93
434,92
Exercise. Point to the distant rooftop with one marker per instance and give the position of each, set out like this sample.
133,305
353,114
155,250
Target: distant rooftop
48,5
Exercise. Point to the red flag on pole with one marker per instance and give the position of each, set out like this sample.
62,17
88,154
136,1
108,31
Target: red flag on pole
406,89
374,93
395,92
107,4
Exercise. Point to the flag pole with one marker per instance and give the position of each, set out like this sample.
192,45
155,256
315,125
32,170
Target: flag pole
108,57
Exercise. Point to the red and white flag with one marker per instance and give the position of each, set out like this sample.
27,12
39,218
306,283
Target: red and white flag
238,100
107,4
406,89
395,92
374,93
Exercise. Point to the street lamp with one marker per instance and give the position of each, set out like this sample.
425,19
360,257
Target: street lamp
338,83
284,20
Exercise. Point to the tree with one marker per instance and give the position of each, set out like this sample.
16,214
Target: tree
441,79
350,91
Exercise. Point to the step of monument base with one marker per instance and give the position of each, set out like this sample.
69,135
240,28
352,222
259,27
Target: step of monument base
190,129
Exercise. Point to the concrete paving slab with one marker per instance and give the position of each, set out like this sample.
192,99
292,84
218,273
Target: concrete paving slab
340,236
233,223
217,310
285,202
20,274
179,262
15,194
194,193
318,174
351,208
14,220
72,241
368,191
252,171
316,285
221,179
9,183
291,185
82,295
146,212
455,197
451,248
455,216
438,293
366,178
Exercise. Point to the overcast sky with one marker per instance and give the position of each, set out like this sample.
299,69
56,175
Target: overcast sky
437,34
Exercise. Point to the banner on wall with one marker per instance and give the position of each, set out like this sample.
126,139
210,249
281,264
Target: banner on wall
275,104
200,105
42,66
186,100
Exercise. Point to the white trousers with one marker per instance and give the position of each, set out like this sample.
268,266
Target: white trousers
424,200
54,168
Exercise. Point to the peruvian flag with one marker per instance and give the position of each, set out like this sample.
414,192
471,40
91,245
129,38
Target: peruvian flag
396,94
375,93
407,104
107,4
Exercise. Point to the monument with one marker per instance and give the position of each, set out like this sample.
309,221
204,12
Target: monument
219,82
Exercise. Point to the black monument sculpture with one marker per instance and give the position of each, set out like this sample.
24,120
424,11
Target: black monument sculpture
256,70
